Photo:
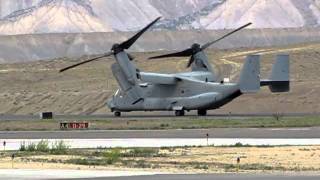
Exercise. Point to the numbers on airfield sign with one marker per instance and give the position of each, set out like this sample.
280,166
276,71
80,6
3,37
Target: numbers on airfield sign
74,125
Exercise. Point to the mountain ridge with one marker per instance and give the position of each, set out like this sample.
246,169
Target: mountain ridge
52,16
78,16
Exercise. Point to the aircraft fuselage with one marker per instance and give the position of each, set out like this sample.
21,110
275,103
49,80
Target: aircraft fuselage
185,95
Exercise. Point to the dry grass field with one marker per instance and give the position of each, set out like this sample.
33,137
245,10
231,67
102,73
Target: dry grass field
175,160
30,88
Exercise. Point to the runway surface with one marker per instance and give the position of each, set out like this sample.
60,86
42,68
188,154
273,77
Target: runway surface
218,177
15,144
271,133
32,174
142,175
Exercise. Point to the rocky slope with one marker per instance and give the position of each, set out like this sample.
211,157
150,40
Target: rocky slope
55,16
52,16
9,6
263,14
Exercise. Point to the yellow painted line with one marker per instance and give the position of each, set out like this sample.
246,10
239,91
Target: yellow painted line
244,53
235,67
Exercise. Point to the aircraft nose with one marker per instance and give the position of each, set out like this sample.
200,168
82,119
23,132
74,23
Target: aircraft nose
111,104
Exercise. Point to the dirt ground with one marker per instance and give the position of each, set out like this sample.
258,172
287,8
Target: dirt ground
188,160
30,88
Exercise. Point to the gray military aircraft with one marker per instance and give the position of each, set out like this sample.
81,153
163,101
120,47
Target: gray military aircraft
198,90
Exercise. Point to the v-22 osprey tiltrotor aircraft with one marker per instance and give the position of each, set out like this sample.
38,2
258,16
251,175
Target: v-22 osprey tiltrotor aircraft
199,89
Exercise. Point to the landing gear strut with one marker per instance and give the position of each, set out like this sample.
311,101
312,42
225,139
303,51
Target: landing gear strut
179,112
117,114
202,112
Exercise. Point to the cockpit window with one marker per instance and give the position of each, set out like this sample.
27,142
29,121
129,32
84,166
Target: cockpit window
143,85
119,93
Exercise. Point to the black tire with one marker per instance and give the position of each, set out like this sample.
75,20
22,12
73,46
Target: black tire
179,113
202,112
117,114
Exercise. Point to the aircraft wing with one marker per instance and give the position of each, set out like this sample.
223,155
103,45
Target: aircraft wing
156,78
185,78
166,79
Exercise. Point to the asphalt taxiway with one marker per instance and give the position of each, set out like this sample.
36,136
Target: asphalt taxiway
271,133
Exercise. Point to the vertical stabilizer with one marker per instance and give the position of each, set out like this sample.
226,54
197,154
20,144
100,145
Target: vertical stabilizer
280,69
279,80
250,76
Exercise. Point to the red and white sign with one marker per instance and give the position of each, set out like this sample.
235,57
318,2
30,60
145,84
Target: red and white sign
74,125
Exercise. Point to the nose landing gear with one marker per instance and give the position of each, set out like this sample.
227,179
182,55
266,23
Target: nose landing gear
117,114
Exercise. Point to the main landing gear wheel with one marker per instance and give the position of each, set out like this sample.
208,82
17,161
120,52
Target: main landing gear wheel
202,112
179,113
117,114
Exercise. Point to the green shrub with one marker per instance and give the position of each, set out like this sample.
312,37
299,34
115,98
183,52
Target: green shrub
82,161
59,147
164,125
31,147
142,164
90,161
112,155
22,146
43,146
238,144
201,166
142,152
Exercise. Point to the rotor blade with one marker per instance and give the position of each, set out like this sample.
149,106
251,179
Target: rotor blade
127,44
185,53
230,33
84,62
191,60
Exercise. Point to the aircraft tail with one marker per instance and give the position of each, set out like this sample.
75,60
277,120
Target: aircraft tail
279,80
249,81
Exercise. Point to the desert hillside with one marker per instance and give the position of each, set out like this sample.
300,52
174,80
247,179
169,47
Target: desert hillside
80,16
30,88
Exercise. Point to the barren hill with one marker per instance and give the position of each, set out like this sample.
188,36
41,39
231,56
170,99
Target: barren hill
30,88
47,16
